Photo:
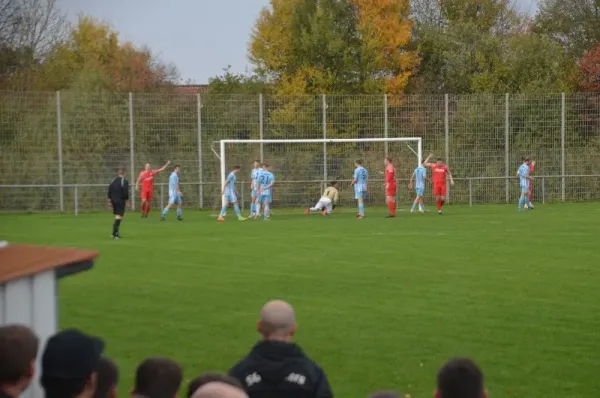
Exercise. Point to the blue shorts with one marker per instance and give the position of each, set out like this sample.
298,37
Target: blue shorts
175,199
265,199
360,194
253,194
419,191
231,198
524,189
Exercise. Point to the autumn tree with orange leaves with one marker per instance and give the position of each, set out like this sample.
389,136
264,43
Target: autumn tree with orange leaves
357,46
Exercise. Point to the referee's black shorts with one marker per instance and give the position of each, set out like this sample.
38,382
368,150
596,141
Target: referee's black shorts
118,208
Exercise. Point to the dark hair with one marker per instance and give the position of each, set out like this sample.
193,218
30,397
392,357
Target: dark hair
121,171
211,377
157,378
266,165
358,161
388,158
18,348
460,378
332,183
256,161
237,167
60,388
385,394
176,167
107,378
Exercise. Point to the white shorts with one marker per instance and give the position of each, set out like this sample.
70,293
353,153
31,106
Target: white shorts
325,203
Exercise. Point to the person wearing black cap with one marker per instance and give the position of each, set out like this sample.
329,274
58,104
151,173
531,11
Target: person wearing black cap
18,351
69,365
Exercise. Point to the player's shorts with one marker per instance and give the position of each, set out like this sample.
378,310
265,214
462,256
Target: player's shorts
175,199
439,190
391,190
419,191
254,194
147,194
265,198
360,194
118,208
524,189
231,198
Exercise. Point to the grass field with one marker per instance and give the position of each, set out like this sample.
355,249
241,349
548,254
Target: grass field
380,303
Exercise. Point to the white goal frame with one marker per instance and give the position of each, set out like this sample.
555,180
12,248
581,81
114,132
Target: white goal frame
324,141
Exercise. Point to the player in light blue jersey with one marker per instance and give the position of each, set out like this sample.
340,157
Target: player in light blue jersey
254,185
419,176
229,194
361,177
266,180
175,196
524,180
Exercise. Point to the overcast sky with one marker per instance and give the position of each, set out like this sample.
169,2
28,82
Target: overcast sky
201,37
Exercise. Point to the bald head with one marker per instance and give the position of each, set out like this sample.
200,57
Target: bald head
277,319
217,389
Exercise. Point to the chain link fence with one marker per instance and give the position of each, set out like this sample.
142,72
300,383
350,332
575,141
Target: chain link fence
60,150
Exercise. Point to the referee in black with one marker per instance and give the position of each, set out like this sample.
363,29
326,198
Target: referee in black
118,195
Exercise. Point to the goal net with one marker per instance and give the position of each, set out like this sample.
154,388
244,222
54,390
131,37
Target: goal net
303,168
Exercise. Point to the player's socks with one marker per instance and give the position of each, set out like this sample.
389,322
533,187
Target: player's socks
392,207
252,206
257,210
267,211
236,208
163,215
223,211
116,225
439,205
414,207
179,213
521,202
361,208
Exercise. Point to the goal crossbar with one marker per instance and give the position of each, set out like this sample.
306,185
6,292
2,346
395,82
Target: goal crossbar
324,141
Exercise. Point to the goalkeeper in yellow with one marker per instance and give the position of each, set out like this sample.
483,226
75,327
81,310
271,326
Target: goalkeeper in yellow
327,202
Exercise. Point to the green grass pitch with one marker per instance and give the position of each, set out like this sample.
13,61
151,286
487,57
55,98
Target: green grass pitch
381,304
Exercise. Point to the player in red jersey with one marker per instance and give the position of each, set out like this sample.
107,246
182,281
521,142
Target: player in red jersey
146,177
531,171
390,186
440,173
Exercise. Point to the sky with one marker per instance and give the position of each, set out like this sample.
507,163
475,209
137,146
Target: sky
200,37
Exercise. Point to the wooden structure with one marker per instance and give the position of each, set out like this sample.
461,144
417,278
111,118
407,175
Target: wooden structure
29,291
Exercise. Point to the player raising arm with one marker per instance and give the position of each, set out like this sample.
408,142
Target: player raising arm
360,180
524,180
390,186
440,173
146,178
418,176
328,201
266,180
229,193
175,196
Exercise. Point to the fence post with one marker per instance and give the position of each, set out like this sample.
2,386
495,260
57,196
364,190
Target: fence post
385,122
200,170
506,145
131,149
543,190
261,125
76,200
324,101
447,136
61,191
470,192
562,145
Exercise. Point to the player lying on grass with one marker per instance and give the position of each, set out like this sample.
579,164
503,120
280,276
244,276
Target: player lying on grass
390,186
524,180
175,196
531,171
146,177
266,180
418,176
440,173
229,193
360,180
327,202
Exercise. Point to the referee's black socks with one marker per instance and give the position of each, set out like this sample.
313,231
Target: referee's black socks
116,225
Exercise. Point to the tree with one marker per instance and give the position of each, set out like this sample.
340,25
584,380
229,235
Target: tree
307,46
574,24
589,68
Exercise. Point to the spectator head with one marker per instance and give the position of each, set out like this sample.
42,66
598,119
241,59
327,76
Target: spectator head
385,394
157,378
107,379
210,377
277,321
18,351
69,364
217,389
460,378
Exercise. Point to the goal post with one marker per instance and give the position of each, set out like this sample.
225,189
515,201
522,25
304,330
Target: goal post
301,166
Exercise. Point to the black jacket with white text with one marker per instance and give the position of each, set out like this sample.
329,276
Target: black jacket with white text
275,369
